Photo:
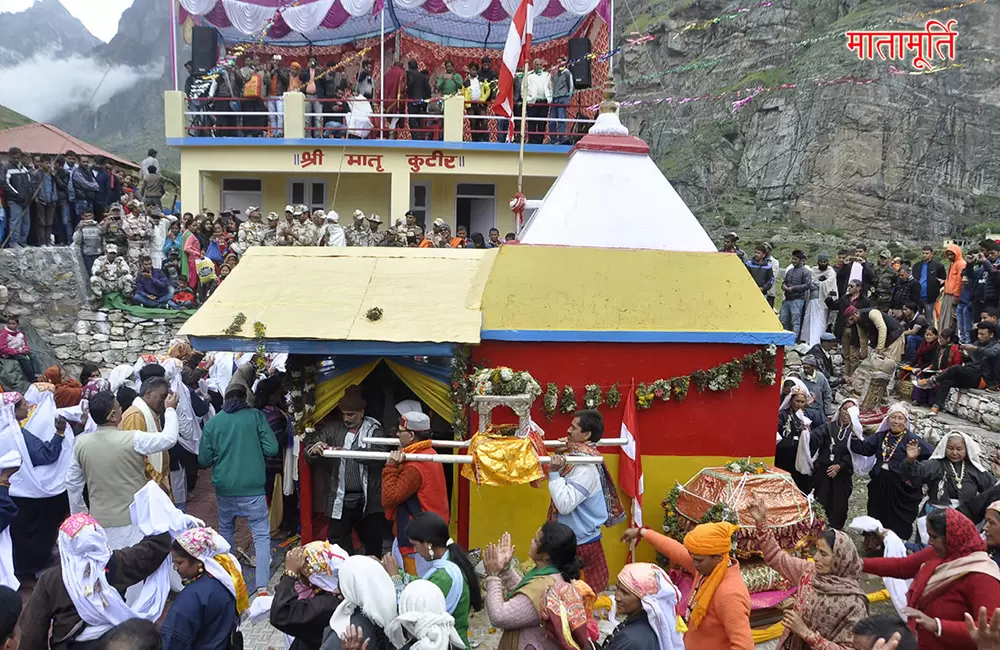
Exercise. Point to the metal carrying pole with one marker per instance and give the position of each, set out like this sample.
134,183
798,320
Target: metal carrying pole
462,444
448,459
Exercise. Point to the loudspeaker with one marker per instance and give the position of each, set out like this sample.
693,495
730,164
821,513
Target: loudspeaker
579,48
204,48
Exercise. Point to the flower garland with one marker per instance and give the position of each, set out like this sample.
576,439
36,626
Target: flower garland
237,325
551,400
460,398
594,397
302,387
567,402
723,377
504,381
746,466
260,338
614,396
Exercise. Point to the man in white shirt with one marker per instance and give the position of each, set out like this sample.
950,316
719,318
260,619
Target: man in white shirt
149,160
538,94
112,464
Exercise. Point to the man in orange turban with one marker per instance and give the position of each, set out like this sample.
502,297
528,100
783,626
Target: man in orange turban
718,611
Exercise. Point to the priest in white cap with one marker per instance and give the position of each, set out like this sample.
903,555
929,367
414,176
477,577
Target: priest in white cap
331,233
410,487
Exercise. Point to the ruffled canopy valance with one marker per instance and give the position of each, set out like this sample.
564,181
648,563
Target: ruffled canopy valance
320,21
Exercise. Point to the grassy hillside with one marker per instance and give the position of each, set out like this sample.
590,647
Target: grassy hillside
9,119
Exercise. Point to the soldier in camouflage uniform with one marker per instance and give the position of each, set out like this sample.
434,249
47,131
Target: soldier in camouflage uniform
271,230
138,229
885,281
251,232
377,238
111,227
111,273
305,232
285,232
358,234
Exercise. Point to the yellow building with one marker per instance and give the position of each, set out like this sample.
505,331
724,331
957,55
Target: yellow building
463,183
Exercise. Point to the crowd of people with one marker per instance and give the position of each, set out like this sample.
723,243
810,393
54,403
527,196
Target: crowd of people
113,481
43,199
339,104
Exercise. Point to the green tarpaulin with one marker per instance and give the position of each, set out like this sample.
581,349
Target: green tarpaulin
118,301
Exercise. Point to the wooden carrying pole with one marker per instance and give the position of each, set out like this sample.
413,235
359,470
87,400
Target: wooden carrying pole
450,459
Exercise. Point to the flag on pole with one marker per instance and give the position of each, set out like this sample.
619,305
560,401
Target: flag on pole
515,53
630,459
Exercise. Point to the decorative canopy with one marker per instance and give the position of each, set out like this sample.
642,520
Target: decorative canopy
327,22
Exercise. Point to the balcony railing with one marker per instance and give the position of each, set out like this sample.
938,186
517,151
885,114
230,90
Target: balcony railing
294,116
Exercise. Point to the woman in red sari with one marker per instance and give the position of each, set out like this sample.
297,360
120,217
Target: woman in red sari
954,575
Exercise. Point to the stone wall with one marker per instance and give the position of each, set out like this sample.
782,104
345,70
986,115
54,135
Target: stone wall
48,288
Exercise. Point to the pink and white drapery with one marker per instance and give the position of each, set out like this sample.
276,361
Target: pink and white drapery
251,17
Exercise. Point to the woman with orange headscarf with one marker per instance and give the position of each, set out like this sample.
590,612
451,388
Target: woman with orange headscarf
718,610
68,390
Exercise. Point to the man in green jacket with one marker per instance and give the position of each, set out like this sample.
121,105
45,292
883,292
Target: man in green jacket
234,444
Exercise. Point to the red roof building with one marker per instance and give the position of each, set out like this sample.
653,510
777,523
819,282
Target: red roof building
40,138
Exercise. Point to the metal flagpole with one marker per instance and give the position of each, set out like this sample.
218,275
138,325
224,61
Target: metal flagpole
611,32
381,76
462,444
173,41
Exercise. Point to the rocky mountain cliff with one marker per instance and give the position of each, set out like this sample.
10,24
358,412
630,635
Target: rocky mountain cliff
904,156
45,27
131,121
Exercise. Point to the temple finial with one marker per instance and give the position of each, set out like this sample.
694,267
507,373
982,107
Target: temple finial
609,105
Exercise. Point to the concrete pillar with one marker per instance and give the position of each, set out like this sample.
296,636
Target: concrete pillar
454,118
399,194
295,119
190,187
174,124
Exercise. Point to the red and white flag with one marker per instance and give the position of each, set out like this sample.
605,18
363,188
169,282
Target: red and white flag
515,53
630,459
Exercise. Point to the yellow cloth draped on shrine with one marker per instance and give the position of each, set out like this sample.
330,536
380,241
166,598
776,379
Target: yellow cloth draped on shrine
330,392
435,394
502,460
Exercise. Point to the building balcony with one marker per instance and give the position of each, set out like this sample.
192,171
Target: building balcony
446,123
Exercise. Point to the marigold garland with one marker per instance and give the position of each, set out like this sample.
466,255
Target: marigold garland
723,377
594,396
237,325
460,392
551,400
614,396
260,338
567,402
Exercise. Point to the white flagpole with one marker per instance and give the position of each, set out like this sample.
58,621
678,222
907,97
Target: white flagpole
173,41
462,444
381,76
524,119
447,459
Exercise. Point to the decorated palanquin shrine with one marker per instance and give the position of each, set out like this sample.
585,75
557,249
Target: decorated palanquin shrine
503,343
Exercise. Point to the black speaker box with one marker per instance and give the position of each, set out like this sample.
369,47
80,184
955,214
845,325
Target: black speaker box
579,48
204,48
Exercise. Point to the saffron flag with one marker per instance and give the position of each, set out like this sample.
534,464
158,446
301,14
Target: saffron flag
630,460
515,53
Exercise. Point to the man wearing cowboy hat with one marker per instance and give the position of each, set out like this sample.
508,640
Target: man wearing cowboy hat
286,229
111,274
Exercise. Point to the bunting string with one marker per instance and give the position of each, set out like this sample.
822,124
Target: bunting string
740,98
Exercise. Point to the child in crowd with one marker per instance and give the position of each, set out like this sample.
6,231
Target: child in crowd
13,345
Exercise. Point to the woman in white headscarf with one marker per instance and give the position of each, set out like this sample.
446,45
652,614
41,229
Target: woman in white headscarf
308,594
954,474
648,600
423,622
369,603
796,449
891,499
206,612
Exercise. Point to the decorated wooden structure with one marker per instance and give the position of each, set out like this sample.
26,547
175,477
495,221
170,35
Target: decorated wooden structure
684,325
